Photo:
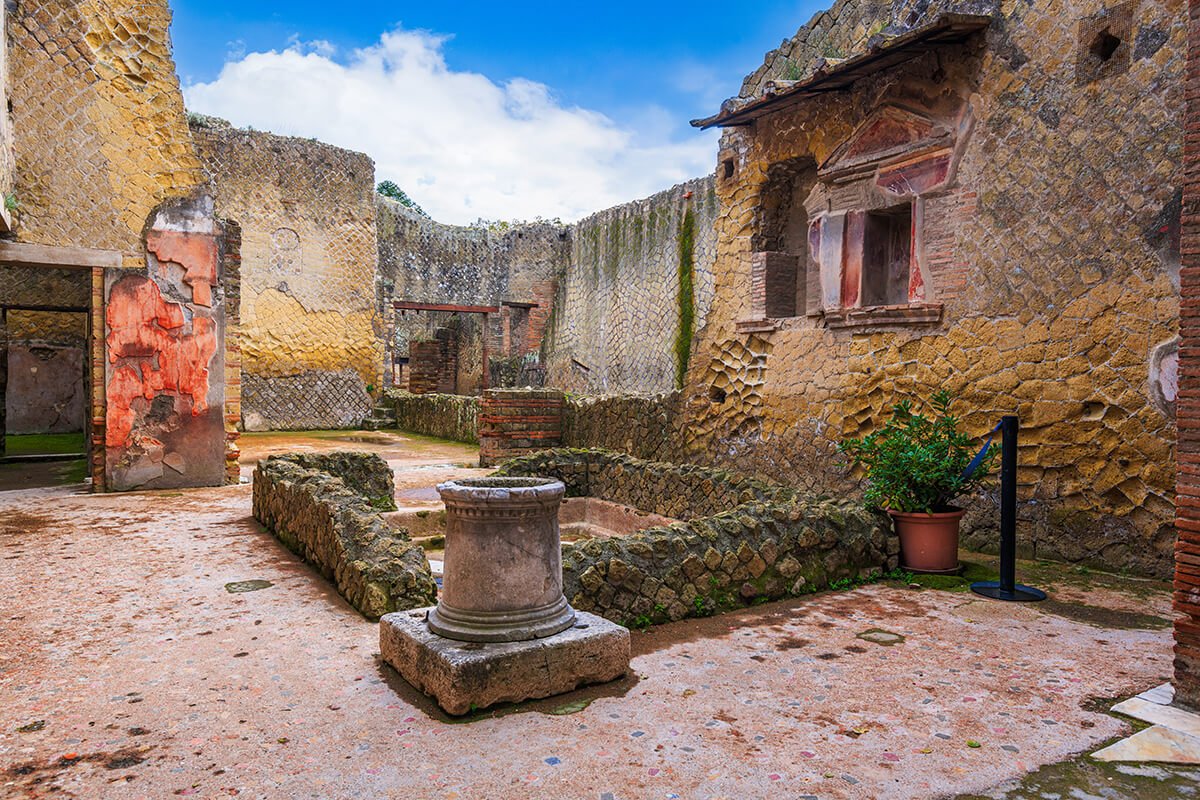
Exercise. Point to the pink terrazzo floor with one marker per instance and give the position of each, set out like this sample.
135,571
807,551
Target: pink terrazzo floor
134,673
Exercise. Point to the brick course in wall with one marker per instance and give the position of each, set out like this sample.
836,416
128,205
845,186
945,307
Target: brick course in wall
517,422
1187,547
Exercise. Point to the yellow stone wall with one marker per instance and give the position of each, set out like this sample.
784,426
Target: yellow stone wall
1057,216
312,344
100,134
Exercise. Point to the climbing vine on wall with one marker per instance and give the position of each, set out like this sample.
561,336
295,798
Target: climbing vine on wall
687,295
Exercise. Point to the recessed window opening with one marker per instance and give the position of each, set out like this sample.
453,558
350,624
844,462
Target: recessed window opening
727,168
887,256
1105,45
782,227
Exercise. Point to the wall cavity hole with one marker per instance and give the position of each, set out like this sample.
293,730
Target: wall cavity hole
727,168
716,394
1093,411
1105,45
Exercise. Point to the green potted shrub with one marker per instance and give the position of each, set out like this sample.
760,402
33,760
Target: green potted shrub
915,467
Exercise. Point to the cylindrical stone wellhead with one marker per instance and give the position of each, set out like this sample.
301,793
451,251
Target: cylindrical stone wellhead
502,574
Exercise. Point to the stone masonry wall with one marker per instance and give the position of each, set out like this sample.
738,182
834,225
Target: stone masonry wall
639,285
324,508
446,416
740,540
645,426
311,352
1187,522
1052,262
423,261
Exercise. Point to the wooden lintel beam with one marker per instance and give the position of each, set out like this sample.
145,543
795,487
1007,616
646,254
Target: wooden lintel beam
22,254
517,304
404,305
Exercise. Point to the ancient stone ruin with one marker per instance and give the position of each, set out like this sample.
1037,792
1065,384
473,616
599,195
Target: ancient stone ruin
637,421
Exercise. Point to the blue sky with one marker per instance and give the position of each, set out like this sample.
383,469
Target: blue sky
646,68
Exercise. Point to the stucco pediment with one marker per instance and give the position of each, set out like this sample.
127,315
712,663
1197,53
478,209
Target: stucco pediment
889,134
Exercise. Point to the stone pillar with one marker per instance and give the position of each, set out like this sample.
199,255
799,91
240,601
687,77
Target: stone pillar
424,366
516,422
1187,549
503,565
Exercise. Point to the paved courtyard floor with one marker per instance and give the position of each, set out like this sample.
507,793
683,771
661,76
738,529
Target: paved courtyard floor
128,669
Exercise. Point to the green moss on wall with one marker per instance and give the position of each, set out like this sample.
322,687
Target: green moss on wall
687,295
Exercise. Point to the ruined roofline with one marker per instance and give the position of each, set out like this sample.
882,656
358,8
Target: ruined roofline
223,128
831,75
681,189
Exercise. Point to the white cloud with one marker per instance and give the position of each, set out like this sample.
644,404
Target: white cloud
460,144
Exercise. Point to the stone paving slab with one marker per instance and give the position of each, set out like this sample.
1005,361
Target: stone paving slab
1156,743
1158,714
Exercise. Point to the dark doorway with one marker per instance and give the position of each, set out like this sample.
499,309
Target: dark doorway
44,391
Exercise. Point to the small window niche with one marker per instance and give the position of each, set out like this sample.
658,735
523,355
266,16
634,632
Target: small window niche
780,254
887,256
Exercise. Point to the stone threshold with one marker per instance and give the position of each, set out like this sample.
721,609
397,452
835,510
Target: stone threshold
1172,738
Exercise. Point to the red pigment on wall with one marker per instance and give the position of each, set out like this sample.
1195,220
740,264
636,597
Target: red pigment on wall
147,336
195,252
916,178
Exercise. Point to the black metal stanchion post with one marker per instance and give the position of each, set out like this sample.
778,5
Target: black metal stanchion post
1007,588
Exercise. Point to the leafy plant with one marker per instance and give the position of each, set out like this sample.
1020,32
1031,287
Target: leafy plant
641,622
916,463
390,189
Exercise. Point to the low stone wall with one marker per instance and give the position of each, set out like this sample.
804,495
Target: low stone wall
740,540
643,425
446,416
324,509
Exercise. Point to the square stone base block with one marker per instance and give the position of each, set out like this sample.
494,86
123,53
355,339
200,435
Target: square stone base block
463,676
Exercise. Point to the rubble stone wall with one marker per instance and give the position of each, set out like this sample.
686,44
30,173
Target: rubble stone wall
325,508
640,284
642,425
1053,253
741,540
446,416
311,351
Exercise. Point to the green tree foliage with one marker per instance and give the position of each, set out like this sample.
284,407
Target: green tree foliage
916,463
390,189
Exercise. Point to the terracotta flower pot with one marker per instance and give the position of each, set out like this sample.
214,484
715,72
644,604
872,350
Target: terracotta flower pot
928,542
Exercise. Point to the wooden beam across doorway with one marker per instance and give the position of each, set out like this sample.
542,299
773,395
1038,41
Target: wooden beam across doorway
40,255
404,305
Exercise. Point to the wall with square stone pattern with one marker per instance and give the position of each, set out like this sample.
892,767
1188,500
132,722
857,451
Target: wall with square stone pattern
311,350
640,284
